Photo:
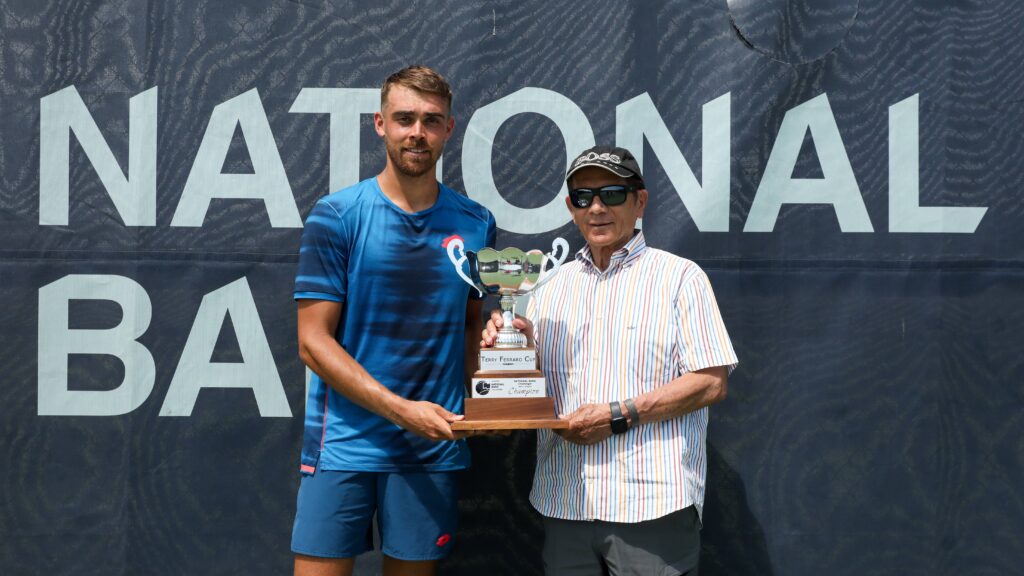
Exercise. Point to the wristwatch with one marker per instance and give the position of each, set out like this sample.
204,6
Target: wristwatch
619,422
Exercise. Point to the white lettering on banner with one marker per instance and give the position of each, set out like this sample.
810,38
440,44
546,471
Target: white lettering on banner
268,182
256,371
344,105
905,211
57,341
838,187
478,145
134,195
708,205
637,120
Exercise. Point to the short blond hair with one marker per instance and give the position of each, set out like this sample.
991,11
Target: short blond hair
421,79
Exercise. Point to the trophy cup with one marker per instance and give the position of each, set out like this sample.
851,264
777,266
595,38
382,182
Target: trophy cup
508,391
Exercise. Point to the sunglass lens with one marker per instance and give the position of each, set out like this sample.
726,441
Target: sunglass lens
613,196
610,195
582,198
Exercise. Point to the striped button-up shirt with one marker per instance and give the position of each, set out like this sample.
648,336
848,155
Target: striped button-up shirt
607,335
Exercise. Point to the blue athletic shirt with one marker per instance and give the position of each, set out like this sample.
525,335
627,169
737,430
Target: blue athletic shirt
403,320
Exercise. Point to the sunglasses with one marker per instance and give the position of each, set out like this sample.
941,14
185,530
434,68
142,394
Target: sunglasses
611,195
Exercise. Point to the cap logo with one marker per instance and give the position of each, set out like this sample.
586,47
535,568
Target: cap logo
607,157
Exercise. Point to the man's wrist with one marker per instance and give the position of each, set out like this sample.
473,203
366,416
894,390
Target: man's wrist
634,415
619,424
395,408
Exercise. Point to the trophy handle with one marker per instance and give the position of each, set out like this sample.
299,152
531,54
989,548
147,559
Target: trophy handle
456,244
559,250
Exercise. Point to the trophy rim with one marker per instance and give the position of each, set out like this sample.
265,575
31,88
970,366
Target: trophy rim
498,289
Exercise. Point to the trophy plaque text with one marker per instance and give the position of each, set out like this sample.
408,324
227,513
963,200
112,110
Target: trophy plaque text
508,391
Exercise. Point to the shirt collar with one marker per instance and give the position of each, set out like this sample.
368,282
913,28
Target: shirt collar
621,257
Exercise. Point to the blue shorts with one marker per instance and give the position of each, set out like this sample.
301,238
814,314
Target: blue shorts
417,514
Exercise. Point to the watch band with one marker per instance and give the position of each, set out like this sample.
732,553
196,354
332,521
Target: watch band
634,416
619,423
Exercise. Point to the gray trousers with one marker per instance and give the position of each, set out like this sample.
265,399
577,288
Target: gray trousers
666,546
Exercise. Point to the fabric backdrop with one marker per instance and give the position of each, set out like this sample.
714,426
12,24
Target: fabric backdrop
848,173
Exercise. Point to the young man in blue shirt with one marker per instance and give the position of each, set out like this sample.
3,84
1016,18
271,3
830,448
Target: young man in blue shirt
378,437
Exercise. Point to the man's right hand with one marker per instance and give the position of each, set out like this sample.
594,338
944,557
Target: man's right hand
426,419
496,322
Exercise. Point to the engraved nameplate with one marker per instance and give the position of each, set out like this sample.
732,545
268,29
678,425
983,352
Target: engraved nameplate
508,359
514,387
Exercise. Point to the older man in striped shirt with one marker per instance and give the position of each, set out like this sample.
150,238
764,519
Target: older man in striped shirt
634,350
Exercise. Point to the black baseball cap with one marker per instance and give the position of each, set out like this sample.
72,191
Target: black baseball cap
618,161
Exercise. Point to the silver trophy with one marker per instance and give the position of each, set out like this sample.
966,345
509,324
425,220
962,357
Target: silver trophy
509,273
508,392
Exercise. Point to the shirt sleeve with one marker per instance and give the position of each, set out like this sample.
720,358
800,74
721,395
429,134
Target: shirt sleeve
703,340
323,256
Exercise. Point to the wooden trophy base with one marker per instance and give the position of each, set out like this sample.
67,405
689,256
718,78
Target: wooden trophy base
517,402
509,414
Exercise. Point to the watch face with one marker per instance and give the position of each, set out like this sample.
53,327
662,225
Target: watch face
619,425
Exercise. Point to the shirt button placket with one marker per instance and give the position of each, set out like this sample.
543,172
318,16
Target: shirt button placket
591,381
596,383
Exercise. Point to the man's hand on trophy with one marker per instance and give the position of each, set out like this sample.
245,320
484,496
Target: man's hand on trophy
490,332
427,419
588,424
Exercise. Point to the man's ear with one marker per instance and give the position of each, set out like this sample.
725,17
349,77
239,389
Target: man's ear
451,126
641,200
378,123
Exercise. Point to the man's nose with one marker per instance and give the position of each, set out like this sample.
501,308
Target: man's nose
418,130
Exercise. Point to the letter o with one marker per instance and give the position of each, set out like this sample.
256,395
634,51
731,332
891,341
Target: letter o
478,143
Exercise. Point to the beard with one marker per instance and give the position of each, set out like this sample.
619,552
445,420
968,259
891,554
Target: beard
412,168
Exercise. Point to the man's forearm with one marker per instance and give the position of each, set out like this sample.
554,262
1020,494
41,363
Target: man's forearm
345,375
688,393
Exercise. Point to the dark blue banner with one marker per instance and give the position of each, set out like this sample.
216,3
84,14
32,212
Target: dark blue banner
847,172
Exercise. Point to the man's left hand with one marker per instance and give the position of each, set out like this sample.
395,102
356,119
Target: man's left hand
588,424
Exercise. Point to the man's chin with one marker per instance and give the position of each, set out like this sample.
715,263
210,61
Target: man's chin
415,170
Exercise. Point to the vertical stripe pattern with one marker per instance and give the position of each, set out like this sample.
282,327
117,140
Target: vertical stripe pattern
609,335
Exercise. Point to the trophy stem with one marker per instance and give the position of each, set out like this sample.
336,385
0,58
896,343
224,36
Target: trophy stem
509,337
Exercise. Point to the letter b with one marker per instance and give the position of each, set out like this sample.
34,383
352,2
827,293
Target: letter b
57,341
